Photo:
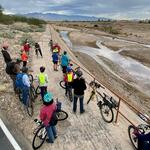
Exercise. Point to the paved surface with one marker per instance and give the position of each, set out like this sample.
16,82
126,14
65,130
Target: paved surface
4,142
79,132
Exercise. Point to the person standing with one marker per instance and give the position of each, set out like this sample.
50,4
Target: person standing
64,62
24,58
79,86
46,113
43,81
5,53
55,60
26,46
38,49
51,45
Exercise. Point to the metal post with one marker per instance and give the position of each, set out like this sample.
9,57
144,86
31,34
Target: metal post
117,111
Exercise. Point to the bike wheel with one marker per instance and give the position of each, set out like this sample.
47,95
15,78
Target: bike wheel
132,136
38,90
30,77
62,84
29,107
107,113
33,93
39,138
61,115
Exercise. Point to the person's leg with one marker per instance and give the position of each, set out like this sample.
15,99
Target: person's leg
13,77
75,103
42,92
54,131
40,52
81,104
50,134
25,94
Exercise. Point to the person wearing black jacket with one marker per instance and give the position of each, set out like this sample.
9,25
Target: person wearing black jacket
79,86
38,49
5,53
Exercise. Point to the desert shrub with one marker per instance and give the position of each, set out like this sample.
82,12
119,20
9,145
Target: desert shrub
95,25
8,34
24,37
110,30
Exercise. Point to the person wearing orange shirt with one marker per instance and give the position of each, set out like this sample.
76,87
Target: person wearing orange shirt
24,58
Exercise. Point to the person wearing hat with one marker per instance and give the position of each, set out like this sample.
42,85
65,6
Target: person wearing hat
79,86
43,81
46,113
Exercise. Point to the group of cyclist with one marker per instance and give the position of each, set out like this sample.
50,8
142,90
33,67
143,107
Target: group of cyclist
73,80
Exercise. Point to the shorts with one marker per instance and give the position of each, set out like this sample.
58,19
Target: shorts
55,62
64,69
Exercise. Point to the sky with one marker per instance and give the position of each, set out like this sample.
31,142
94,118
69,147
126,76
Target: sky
115,9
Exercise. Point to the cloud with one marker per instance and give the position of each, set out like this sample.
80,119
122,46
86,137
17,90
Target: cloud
118,9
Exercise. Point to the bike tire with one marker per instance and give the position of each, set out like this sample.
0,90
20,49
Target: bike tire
30,77
29,107
38,136
61,115
33,93
38,90
62,84
106,110
132,137
70,95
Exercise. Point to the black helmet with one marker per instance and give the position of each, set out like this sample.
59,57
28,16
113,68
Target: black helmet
79,73
42,68
24,69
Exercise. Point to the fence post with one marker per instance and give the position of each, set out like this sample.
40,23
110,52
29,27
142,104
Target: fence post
117,110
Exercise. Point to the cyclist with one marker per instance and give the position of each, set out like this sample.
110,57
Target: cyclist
79,86
57,48
46,113
64,62
55,60
38,49
24,58
26,46
51,44
143,141
43,81
25,88
5,53
68,78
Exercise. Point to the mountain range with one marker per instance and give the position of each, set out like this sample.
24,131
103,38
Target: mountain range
59,17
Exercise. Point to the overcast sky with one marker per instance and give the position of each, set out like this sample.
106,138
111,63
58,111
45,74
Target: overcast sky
116,9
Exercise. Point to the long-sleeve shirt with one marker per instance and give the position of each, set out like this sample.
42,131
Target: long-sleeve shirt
46,113
25,80
6,56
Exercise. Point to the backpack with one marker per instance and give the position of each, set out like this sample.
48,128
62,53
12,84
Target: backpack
10,68
19,81
54,119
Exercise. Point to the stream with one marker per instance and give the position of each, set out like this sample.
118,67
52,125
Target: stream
138,72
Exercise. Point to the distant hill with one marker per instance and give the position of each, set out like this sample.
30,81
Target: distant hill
58,17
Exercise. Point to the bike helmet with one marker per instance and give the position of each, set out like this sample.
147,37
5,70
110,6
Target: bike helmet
42,68
69,69
48,97
79,73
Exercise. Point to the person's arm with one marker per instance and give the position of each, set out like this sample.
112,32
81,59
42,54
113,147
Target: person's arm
26,80
46,78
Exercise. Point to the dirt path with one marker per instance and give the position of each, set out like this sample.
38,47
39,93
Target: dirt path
86,131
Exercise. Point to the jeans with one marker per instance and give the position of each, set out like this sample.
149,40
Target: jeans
143,142
51,132
43,90
81,97
25,94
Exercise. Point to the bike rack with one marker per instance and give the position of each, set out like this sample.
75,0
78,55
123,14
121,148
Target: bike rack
119,97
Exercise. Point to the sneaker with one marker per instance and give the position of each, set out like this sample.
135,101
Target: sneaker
74,112
55,136
47,140
82,112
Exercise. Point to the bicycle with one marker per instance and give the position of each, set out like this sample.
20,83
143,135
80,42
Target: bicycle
40,133
106,105
133,131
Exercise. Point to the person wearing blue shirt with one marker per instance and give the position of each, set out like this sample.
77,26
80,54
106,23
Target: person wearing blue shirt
55,60
64,62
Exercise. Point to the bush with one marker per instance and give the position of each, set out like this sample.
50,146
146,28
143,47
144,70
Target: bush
24,37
